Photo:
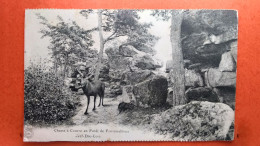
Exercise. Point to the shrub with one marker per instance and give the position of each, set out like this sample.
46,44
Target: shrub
46,99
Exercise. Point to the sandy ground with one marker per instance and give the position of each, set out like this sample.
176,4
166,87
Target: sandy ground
103,114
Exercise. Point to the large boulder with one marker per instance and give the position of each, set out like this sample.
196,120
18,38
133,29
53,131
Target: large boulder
117,61
146,61
195,50
193,78
216,78
136,76
201,94
207,34
147,49
195,121
121,63
227,62
127,51
152,92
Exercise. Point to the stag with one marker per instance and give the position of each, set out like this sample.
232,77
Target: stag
93,88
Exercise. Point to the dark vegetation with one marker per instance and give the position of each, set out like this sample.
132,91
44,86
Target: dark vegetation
46,99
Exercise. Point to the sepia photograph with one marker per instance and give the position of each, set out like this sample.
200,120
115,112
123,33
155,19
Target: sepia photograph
130,75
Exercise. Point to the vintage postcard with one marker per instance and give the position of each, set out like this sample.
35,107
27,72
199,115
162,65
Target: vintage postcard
129,75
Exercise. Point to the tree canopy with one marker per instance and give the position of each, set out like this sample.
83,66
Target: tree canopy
69,43
119,23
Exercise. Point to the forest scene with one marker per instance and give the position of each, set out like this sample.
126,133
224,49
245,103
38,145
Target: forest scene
166,73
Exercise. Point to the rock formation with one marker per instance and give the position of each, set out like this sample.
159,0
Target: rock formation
131,68
152,92
195,121
209,43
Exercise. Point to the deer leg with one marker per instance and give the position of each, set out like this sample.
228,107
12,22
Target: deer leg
102,100
86,112
99,101
94,102
101,95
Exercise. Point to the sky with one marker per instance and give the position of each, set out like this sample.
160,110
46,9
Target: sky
36,47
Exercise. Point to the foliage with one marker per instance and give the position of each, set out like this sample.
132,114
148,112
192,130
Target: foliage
165,15
69,43
141,38
137,33
162,14
119,23
46,100
125,23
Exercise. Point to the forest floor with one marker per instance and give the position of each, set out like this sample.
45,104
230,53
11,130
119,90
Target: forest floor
136,119
133,120
103,114
109,113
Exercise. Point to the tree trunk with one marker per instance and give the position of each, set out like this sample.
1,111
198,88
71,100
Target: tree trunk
178,72
101,38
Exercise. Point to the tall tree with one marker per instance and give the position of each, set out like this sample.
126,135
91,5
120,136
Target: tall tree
178,72
118,23
102,43
68,42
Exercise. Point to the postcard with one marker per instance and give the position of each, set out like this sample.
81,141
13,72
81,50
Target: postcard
130,75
